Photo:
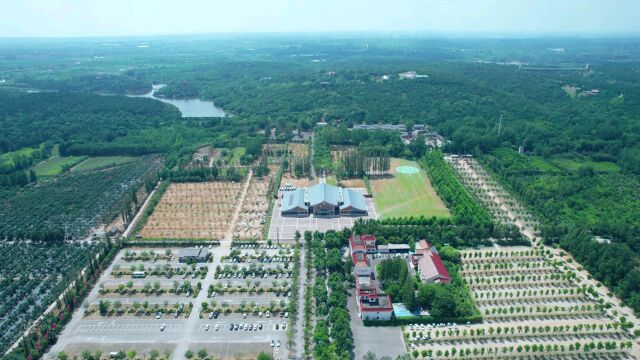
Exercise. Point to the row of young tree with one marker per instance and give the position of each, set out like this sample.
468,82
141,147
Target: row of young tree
202,174
299,166
360,162
332,338
465,208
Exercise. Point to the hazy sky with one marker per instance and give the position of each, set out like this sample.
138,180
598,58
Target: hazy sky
151,17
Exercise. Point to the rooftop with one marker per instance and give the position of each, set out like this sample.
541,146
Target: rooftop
360,259
320,193
431,266
293,199
191,252
354,199
383,302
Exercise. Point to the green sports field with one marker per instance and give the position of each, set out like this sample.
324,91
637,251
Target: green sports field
403,195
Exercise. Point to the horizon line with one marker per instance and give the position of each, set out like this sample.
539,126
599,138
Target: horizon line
354,33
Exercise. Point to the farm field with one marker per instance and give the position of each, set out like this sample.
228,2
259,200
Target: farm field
403,195
101,162
529,304
253,211
32,275
75,201
193,211
297,149
56,165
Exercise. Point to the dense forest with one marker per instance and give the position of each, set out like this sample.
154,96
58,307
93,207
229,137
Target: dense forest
576,203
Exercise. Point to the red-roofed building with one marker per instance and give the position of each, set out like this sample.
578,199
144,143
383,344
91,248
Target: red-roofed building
361,265
429,264
362,243
373,304
377,308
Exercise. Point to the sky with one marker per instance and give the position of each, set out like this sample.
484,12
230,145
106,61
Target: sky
71,18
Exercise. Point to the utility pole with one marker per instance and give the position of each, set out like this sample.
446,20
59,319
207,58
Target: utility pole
500,126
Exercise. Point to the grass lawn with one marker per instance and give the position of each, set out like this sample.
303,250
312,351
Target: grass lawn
237,154
101,162
53,166
7,158
573,165
401,195
331,180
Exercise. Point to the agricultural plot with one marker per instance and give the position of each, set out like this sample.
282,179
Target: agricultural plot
297,150
76,202
273,150
503,206
32,275
530,307
101,162
206,156
254,209
57,165
193,211
299,170
404,194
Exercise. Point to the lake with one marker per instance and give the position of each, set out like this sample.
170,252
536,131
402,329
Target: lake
188,107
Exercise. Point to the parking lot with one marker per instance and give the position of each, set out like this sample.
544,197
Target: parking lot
144,329
381,340
284,228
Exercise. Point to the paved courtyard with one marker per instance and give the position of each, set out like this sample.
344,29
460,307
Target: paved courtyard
380,340
284,228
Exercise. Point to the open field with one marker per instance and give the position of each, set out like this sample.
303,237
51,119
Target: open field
55,165
293,181
193,211
573,165
236,154
352,183
403,195
253,211
101,162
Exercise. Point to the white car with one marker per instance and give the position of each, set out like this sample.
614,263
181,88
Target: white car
217,327
163,326
207,327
